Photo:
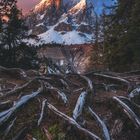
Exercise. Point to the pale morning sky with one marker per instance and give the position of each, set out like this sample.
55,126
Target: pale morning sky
26,5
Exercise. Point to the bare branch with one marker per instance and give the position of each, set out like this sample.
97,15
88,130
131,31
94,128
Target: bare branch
73,122
101,124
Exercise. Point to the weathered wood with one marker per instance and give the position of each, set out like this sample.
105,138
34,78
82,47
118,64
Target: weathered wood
18,89
79,105
113,78
89,82
116,78
9,127
73,122
48,135
60,93
5,105
14,71
129,112
6,115
101,124
134,96
42,112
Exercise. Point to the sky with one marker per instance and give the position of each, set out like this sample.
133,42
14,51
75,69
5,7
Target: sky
26,5
99,4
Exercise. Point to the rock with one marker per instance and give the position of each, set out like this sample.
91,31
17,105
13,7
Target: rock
39,30
63,27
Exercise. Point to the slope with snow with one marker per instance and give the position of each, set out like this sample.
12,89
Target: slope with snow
63,22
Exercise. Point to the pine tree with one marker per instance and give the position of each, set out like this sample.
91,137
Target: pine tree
97,47
122,33
134,33
14,30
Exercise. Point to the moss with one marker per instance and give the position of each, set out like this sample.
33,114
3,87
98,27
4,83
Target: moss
56,132
61,136
69,113
38,134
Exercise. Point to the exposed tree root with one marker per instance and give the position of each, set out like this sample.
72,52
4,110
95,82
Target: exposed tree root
23,92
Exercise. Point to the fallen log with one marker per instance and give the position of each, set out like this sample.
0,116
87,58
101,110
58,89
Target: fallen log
113,78
72,122
60,93
133,106
101,124
18,89
14,71
63,81
79,105
6,115
129,112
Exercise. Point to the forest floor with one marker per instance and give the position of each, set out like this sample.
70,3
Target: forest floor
56,107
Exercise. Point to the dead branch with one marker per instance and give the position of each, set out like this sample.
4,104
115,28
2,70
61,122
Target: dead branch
115,78
9,127
13,71
6,115
135,92
19,89
5,105
48,135
101,124
72,122
42,111
89,82
61,94
128,111
79,105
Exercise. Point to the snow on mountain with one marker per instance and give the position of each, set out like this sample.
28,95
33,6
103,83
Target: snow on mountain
63,22
72,37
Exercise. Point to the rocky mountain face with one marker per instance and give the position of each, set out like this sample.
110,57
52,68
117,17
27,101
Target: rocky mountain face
63,21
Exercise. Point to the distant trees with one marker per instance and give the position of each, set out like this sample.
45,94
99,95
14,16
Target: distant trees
13,31
122,35
97,47
117,37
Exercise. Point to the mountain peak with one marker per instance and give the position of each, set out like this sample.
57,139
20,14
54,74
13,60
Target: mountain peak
46,4
63,21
